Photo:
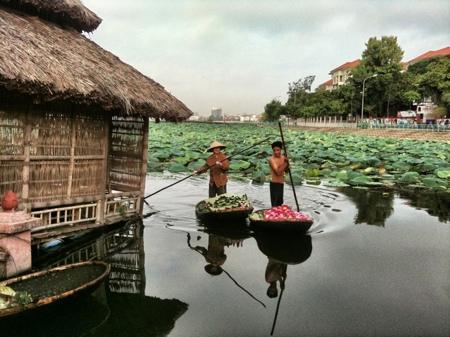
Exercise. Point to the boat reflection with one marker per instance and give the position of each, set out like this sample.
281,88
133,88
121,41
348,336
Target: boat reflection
281,250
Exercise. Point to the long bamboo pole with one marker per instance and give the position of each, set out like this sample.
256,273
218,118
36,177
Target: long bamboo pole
278,304
289,167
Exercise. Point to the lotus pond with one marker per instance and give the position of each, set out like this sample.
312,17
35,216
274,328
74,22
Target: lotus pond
335,160
374,263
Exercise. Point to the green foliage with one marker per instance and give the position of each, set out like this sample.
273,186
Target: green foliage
381,57
411,96
273,110
390,91
338,159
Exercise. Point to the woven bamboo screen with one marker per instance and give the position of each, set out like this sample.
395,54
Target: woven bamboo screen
67,155
127,137
11,151
65,151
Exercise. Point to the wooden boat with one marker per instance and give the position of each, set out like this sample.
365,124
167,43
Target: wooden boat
296,226
53,285
233,215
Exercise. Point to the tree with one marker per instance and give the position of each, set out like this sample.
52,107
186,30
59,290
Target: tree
349,98
273,110
435,81
381,57
411,96
298,95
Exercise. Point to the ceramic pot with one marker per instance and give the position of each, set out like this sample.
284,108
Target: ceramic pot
9,201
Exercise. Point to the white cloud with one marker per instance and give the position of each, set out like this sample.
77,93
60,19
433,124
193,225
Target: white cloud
238,54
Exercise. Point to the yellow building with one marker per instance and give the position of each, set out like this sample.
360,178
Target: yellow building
341,74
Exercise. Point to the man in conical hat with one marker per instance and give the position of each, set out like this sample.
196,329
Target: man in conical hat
217,164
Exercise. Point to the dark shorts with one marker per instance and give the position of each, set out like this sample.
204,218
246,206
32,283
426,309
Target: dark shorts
214,190
276,194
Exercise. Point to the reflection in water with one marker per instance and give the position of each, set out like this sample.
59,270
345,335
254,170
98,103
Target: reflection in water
215,253
281,250
275,272
436,203
119,309
218,239
374,207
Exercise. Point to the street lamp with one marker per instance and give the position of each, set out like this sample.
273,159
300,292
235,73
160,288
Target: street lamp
363,88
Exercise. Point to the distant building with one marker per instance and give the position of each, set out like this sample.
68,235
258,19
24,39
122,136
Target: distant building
341,74
194,118
327,85
232,118
216,114
248,118
429,55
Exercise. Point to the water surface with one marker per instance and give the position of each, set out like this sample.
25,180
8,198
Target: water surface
373,264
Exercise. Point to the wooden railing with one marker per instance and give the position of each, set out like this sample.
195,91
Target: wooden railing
113,208
122,204
66,216
104,246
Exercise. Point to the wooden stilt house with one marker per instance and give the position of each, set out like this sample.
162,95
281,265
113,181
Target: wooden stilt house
73,118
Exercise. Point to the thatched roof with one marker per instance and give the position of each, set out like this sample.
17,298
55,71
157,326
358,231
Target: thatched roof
48,62
64,12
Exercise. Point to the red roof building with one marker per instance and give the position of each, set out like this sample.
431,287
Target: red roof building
346,66
341,74
327,85
430,54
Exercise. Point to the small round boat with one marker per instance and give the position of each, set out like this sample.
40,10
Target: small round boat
257,222
222,214
237,215
57,284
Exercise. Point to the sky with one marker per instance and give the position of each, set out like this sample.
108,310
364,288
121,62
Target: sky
240,54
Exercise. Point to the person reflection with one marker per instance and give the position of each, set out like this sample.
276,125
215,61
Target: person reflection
275,272
282,250
215,253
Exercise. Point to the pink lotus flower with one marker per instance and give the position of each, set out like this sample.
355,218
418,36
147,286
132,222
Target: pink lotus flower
285,213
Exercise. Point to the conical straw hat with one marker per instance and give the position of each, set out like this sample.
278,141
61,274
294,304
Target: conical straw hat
215,144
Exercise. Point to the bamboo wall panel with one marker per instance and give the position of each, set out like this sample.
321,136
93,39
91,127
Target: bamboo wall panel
67,152
125,160
88,178
50,155
11,176
11,133
48,180
11,148
90,135
50,134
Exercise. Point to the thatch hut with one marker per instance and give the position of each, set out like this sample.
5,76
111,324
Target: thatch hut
73,117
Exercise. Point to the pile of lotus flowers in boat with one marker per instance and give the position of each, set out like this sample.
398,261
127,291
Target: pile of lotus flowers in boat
285,213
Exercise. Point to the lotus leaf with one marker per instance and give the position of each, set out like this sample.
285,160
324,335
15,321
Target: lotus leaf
177,168
443,174
410,178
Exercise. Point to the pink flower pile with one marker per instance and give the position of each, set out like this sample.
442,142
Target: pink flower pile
285,213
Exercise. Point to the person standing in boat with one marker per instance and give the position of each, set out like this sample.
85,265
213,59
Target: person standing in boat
218,165
278,166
